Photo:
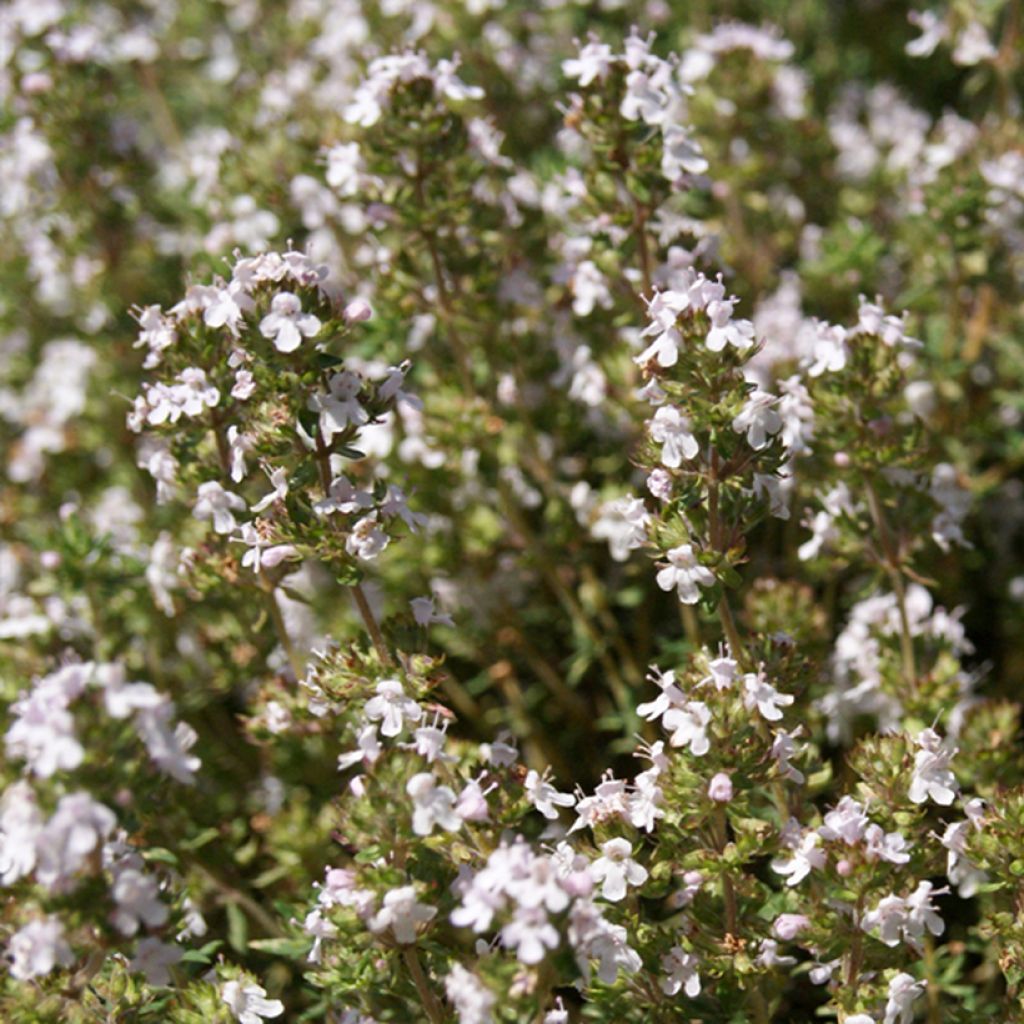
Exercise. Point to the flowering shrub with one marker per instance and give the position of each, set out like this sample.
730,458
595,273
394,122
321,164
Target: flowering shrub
511,512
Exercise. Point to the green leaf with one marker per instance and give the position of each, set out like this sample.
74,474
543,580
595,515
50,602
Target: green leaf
238,928
294,948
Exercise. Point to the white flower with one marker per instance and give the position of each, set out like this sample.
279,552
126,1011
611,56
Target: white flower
899,1007
530,934
671,429
286,325
137,901
591,936
392,707
344,168
670,696
154,959
402,913
921,914
226,307
433,805
589,289
472,999
249,1003
933,31
239,445
428,740
788,926
829,351
757,419
664,309
783,750
688,726
959,870
20,824
340,406
973,46
320,928
594,62
617,869
888,846
43,730
623,523
721,672
738,333
214,502
279,483
846,822
896,917
806,855
425,613
544,796
684,573
932,776
759,693
37,948
472,802
367,540
680,970
69,839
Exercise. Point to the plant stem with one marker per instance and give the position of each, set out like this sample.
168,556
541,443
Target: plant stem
323,465
728,892
855,955
891,566
370,621
732,634
294,658
412,961
933,991
643,250
691,624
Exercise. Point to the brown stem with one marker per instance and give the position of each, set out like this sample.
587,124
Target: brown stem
294,657
444,302
732,634
163,116
430,1003
370,621
933,991
223,452
323,466
891,565
642,248
855,956
720,825
715,536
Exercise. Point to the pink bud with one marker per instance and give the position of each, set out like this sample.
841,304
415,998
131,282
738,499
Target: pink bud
789,926
720,788
358,309
36,82
844,867
579,883
49,559
841,459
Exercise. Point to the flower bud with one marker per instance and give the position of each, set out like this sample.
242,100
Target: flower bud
788,926
357,310
720,788
920,397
